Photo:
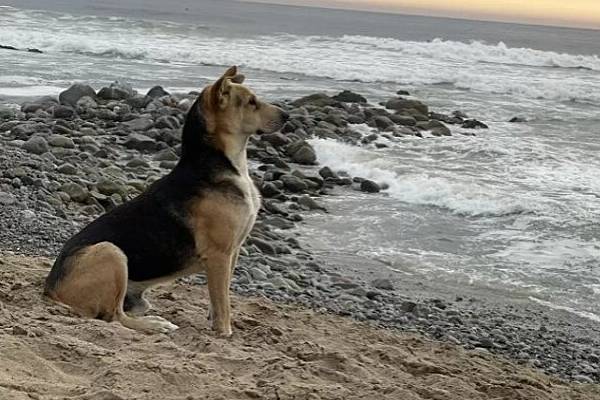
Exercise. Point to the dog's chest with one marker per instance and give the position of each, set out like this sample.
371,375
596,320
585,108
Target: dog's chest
251,204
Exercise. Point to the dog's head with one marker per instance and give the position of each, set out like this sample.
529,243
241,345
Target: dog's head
232,111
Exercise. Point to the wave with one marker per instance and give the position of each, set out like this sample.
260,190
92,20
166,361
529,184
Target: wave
471,66
476,51
461,197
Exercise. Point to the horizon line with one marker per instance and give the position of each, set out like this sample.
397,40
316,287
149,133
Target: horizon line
408,13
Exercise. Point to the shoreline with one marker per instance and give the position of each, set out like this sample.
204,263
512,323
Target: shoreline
65,164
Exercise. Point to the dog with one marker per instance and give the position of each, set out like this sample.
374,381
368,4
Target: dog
193,220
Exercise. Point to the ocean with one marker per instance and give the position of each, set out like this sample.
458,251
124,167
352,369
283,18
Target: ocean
515,208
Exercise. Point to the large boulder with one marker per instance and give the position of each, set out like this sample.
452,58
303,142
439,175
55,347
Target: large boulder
36,145
349,97
317,99
302,152
156,92
401,104
72,95
117,91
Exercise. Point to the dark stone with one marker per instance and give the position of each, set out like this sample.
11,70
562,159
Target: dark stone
400,104
262,245
327,172
63,112
517,120
369,186
117,91
5,47
474,124
302,152
74,93
35,51
347,96
156,92
317,99
383,284
140,142
36,145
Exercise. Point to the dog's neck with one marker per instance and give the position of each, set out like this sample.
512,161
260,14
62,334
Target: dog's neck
199,152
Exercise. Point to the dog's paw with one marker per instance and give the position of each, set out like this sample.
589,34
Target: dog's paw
158,324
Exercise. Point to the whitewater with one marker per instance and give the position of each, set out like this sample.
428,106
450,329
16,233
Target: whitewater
516,207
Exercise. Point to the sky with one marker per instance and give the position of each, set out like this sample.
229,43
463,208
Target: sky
576,13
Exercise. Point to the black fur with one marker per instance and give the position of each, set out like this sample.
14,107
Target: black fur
151,229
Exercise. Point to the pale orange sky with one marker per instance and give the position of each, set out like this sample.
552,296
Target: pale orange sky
578,13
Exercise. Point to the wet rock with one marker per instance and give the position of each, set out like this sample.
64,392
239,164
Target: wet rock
276,139
293,183
309,203
369,186
517,120
75,191
401,104
347,96
156,92
404,120
166,155
7,112
139,101
85,103
436,128
327,173
302,152
61,141
167,122
474,124
382,122
262,245
270,190
140,124
116,91
317,100
140,142
383,284
72,95
36,145
63,112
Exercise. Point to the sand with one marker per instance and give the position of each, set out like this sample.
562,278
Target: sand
277,352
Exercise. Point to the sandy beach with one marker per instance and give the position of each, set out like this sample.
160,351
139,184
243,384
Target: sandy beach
277,352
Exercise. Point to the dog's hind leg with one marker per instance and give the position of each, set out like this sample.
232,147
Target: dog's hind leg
96,285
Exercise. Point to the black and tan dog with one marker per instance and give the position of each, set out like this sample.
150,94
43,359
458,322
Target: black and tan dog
192,220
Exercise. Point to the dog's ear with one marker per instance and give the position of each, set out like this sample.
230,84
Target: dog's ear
239,78
221,88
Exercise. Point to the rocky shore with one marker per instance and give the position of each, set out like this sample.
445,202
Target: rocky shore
66,160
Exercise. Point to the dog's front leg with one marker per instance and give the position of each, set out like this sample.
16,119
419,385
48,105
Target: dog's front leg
218,273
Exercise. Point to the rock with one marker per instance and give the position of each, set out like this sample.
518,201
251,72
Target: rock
156,92
436,127
276,139
383,284
7,199
117,91
403,93
382,122
302,152
140,142
309,203
42,103
167,122
404,120
140,124
67,169
7,112
369,186
269,189
474,124
327,172
72,95
5,47
401,104
347,96
262,245
293,183
61,141
63,112
165,155
257,274
108,187
317,99
138,101
36,145
75,191
85,103
517,120
33,50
